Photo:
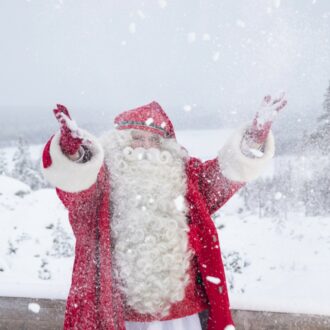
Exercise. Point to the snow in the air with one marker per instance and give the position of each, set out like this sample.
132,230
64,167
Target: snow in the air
206,37
179,203
191,37
222,55
216,56
277,3
240,23
187,107
278,195
212,279
132,27
162,3
149,121
34,307
264,257
141,14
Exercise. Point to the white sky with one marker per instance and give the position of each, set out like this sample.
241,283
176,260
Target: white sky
221,56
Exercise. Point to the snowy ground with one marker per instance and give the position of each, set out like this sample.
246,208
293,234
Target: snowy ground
288,261
280,265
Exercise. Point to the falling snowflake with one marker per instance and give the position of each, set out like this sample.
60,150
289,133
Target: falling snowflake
206,37
187,107
149,121
162,3
240,23
33,307
191,37
141,14
179,203
216,56
278,195
214,280
277,3
132,28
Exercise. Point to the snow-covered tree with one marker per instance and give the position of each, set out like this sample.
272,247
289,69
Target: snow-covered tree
321,138
234,262
44,272
41,182
22,159
275,196
316,193
3,163
62,243
25,169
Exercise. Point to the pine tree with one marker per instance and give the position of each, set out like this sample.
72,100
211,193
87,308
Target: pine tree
24,167
22,160
321,138
3,163
316,191
40,180
62,243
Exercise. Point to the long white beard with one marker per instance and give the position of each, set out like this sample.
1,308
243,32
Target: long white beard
149,225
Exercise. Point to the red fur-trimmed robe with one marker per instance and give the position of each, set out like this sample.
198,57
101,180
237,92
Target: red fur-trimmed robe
94,303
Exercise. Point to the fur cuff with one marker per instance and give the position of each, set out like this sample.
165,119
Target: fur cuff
69,175
236,166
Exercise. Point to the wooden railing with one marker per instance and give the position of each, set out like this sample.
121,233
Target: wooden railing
22,314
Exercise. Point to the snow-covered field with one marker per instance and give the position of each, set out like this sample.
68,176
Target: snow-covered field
272,265
288,261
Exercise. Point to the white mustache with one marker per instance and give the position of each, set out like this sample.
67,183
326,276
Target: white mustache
153,155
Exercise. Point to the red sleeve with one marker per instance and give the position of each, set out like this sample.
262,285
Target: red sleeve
74,200
214,186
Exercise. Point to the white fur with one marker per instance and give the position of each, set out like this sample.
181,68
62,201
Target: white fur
238,167
69,175
149,227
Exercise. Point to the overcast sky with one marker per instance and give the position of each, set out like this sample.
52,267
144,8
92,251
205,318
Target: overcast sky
191,56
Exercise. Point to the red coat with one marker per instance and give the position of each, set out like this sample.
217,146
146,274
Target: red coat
94,302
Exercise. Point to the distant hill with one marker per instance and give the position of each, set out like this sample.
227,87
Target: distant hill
36,124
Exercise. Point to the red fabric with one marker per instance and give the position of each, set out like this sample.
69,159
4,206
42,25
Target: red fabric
208,190
95,304
69,142
150,117
46,159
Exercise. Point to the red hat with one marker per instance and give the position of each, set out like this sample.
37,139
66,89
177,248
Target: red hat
150,117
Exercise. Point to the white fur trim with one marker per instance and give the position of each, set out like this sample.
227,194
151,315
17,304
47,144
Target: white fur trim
229,327
236,166
69,175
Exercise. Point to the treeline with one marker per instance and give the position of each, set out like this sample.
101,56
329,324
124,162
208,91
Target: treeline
24,168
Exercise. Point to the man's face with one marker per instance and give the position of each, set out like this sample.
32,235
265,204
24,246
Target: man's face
145,139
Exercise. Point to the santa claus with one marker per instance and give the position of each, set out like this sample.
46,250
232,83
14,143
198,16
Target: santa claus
147,253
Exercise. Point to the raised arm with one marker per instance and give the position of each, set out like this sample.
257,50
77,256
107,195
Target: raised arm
242,158
72,158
